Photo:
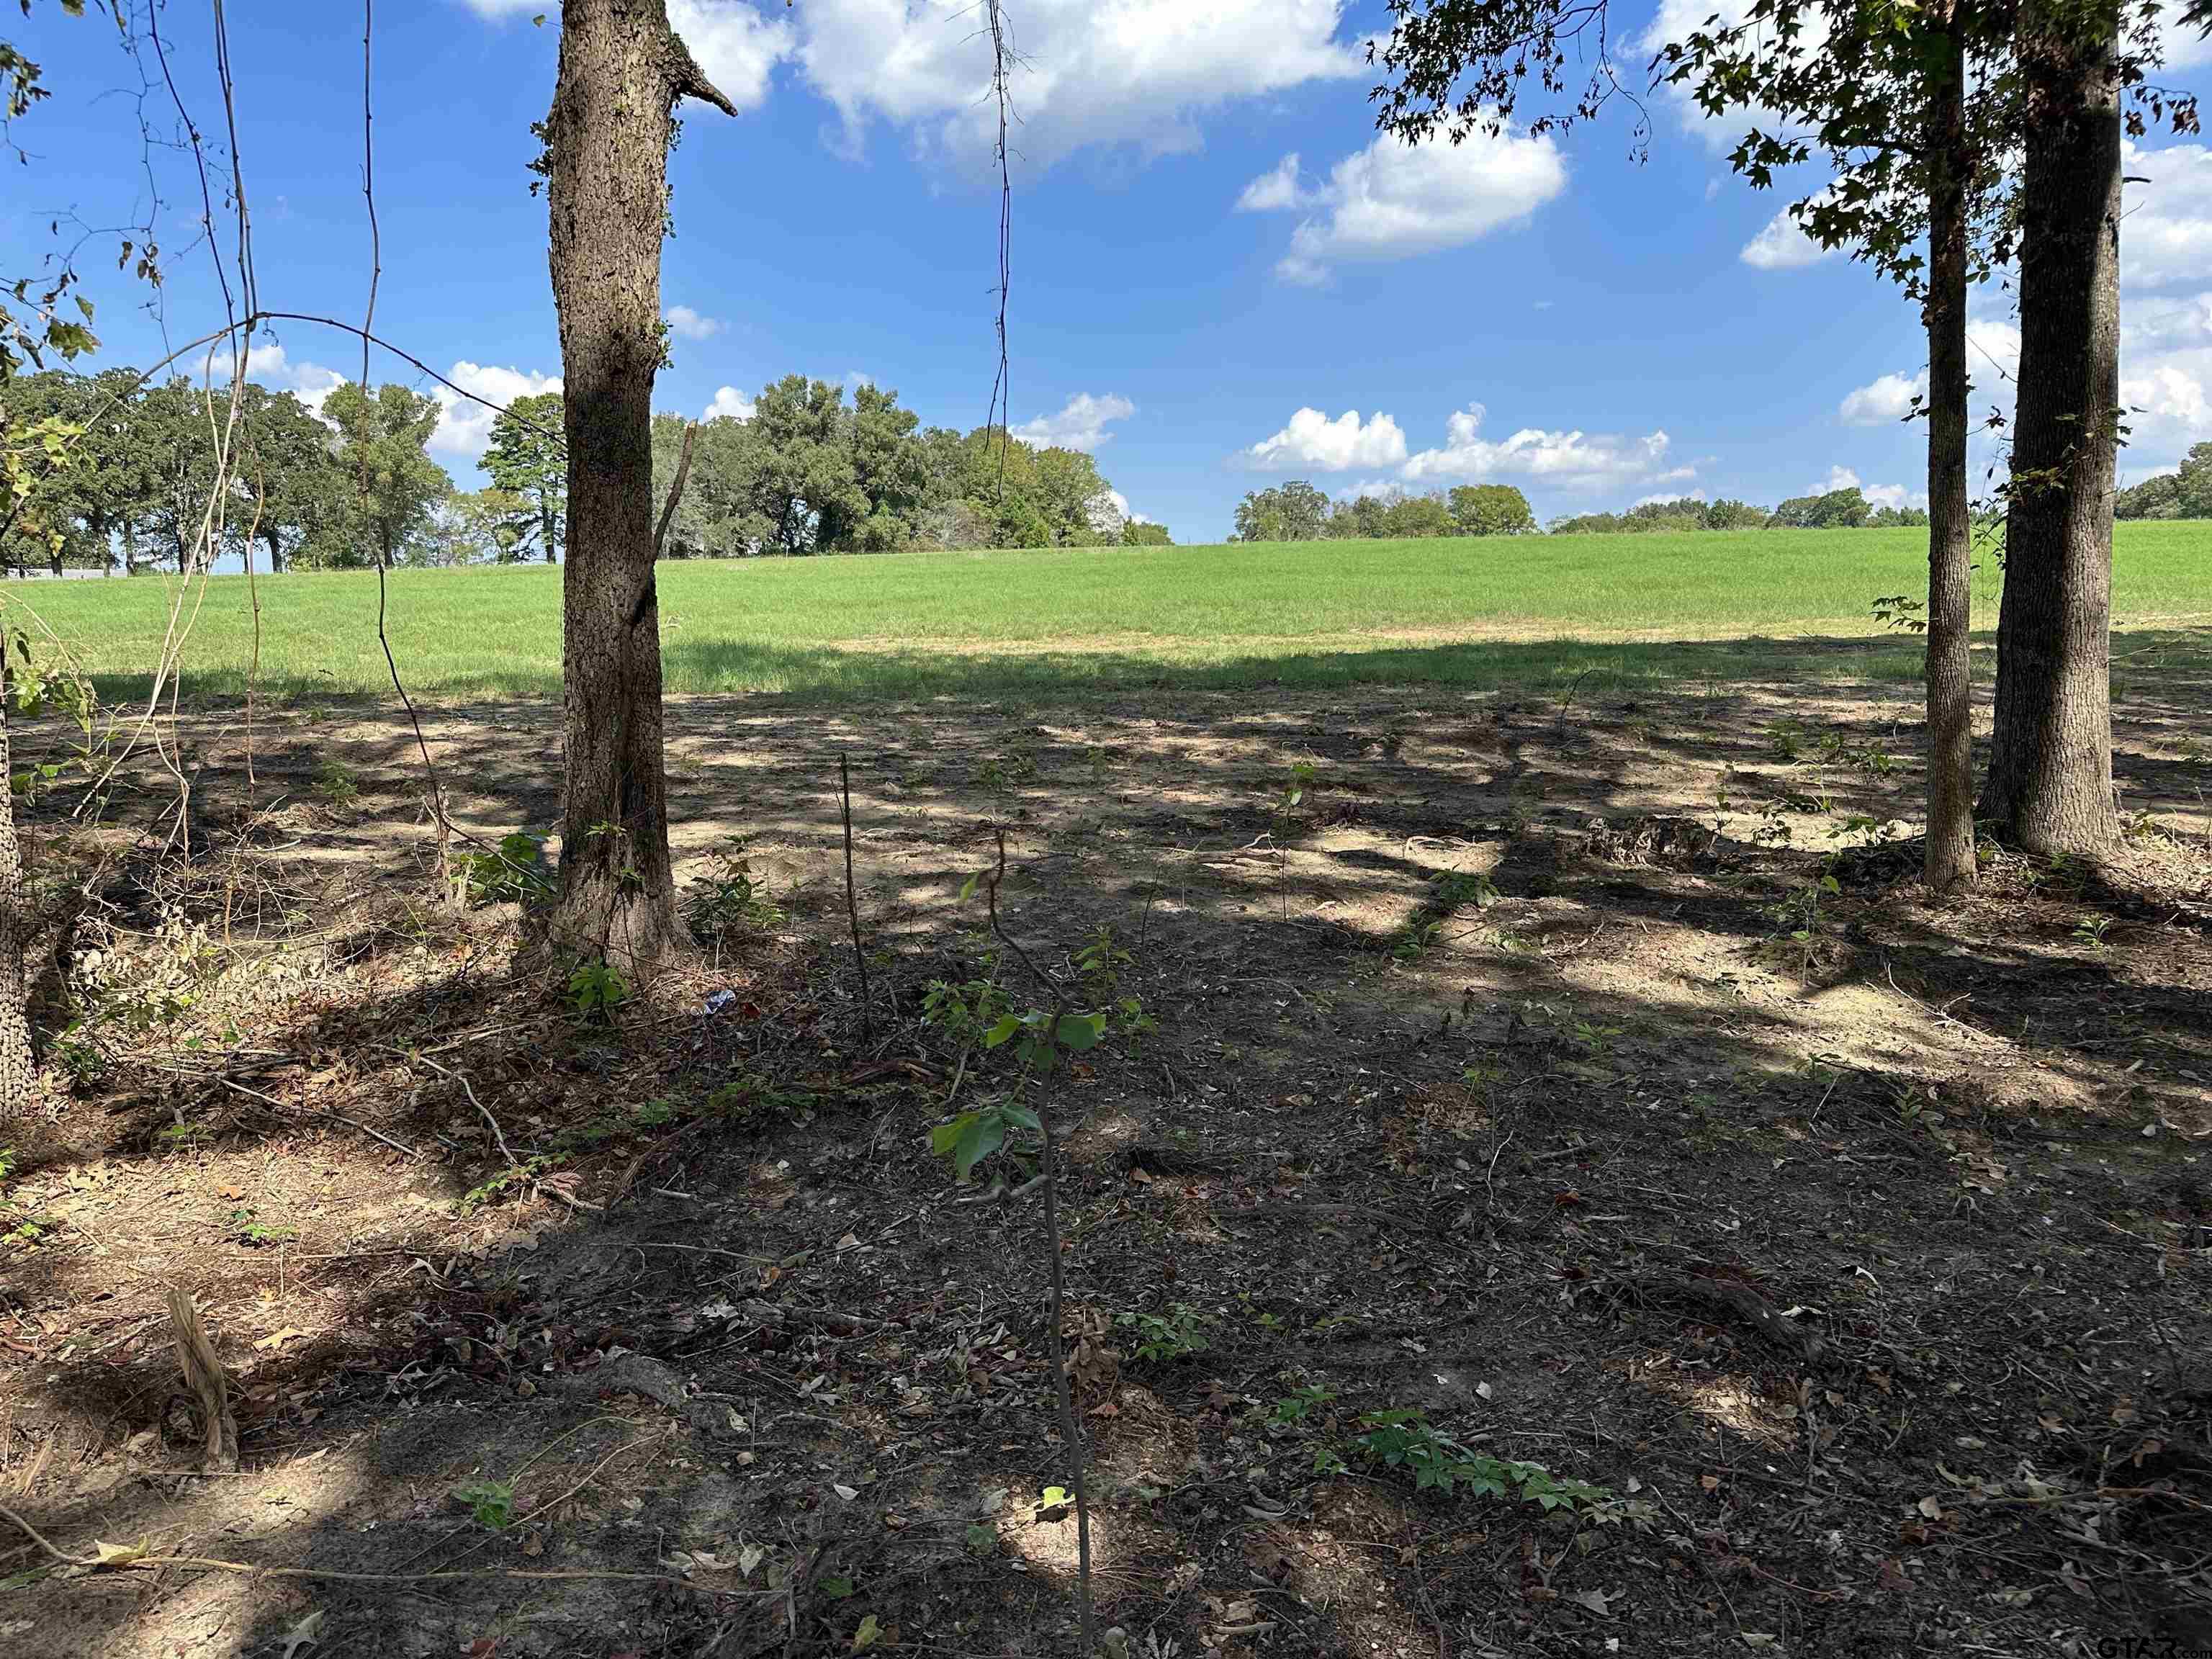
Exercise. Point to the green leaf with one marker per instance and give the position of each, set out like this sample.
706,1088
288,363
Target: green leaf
868,1635
837,1590
982,1136
1007,1027
1081,1031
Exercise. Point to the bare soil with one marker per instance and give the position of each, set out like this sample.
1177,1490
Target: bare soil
1591,1078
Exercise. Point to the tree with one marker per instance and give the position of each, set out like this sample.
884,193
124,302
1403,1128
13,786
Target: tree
805,490
16,1071
889,470
1880,90
2185,493
1727,513
528,457
2049,784
1144,533
1491,510
1292,512
471,526
621,73
288,471
379,447
1414,517
1836,509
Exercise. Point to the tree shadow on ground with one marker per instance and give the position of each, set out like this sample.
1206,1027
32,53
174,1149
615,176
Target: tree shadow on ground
1396,1163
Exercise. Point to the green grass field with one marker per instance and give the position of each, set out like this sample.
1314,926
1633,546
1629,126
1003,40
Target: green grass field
1472,612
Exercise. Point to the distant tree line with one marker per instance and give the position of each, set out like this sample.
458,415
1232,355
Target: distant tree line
808,473
355,484
2186,493
1297,511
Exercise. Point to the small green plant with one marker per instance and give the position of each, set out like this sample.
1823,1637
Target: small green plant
1403,1438
1419,936
334,781
1300,1404
490,1503
241,1225
1786,737
2090,931
514,871
1597,1039
966,1141
1461,888
1177,1333
1003,771
964,1011
1099,965
726,902
597,990
1296,787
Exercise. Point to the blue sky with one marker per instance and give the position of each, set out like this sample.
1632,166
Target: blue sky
1189,301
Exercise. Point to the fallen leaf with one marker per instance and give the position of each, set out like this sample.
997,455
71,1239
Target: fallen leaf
1892,1576
533,1543
1709,1482
868,1635
279,1339
1595,1600
117,1555
302,1633
1929,1507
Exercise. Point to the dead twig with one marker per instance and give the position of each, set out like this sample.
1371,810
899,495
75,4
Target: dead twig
447,1073
851,902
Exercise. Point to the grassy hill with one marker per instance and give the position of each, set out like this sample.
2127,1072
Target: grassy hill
1482,612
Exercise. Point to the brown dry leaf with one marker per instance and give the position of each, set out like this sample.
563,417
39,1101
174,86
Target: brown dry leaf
533,1543
278,1339
1931,1507
1892,1576
1709,1482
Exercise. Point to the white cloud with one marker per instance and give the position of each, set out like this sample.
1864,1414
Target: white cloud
1782,246
1893,495
1135,73
1272,191
2166,321
686,324
729,405
737,47
465,427
1571,460
1392,200
1839,478
1889,398
1382,489
270,366
2168,227
1080,424
1313,441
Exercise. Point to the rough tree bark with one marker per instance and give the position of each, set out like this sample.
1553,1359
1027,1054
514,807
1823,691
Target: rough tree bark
2049,786
1949,860
14,934
622,71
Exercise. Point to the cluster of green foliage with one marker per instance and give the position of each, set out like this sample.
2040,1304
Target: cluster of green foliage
514,872
1686,513
336,492
2185,494
810,473
1297,511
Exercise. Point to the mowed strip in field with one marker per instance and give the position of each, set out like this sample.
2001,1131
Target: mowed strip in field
1488,611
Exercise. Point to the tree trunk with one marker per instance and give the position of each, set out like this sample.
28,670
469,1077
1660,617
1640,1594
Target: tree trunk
621,70
2049,786
129,549
545,531
276,549
1949,860
15,939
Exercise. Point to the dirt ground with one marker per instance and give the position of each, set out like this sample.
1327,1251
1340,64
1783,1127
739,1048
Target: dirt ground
1590,1076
